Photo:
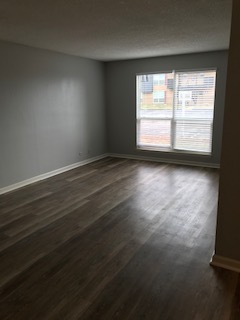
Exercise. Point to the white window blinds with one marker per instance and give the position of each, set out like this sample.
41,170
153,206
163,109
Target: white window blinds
193,110
176,114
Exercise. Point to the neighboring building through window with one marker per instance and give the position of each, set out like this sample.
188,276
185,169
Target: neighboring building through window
175,111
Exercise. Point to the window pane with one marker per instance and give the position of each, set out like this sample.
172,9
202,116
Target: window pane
155,95
194,136
193,110
154,133
194,95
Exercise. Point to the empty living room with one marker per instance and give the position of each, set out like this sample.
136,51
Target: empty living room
119,160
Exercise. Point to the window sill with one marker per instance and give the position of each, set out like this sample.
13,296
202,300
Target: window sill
172,151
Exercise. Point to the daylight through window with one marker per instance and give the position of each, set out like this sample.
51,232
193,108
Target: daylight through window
175,111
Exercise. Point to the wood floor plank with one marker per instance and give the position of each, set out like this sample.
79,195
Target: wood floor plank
235,310
54,234
115,239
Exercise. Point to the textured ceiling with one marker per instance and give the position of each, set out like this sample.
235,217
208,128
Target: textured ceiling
117,29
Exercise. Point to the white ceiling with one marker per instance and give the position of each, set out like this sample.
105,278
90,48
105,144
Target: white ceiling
117,29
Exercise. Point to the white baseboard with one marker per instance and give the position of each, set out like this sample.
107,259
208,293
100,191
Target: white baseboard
49,174
113,155
183,162
226,263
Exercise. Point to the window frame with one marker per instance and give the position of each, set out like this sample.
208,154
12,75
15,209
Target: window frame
171,149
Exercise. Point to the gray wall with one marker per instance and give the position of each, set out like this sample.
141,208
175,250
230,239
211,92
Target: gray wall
121,105
52,107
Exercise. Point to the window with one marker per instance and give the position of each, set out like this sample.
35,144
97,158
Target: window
179,117
147,83
159,97
159,79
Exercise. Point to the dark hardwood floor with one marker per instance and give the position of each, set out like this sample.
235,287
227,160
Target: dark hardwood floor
115,239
